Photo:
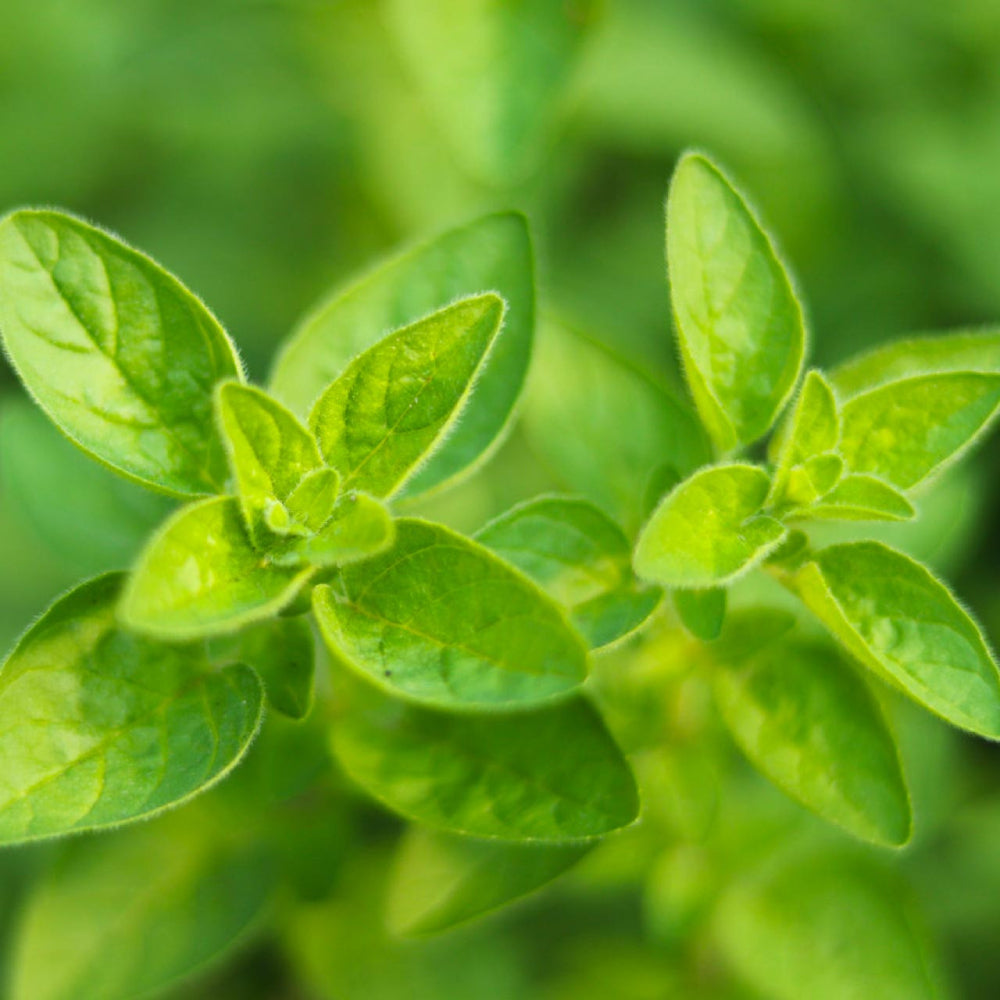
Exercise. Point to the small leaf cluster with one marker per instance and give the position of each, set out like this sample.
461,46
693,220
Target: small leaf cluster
468,674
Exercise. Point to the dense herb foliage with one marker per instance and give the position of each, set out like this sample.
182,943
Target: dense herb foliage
476,686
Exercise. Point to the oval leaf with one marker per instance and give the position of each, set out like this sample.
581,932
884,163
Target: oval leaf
441,880
894,616
493,252
552,774
580,398
200,575
709,529
740,326
358,527
117,352
961,351
398,400
100,726
441,619
808,722
130,913
828,927
906,430
269,451
861,498
581,558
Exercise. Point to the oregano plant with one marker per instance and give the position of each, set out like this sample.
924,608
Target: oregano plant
466,678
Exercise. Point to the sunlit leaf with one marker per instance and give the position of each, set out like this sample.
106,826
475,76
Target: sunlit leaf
358,527
861,498
117,352
99,726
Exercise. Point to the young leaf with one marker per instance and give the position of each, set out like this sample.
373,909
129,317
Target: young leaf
577,411
200,575
739,324
441,619
806,720
860,498
962,351
441,880
552,774
904,431
135,911
581,558
282,654
492,252
708,530
99,726
269,451
702,611
828,927
117,352
312,501
812,431
359,527
398,400
896,618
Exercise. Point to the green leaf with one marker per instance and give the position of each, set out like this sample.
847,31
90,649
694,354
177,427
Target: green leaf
99,726
39,469
493,252
828,927
961,351
117,352
269,452
398,400
358,528
490,73
312,501
282,654
860,498
441,880
702,611
580,557
135,911
709,529
441,619
579,399
904,431
805,719
552,774
200,575
739,324
803,444
896,618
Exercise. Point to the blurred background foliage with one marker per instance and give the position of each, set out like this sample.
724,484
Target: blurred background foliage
265,151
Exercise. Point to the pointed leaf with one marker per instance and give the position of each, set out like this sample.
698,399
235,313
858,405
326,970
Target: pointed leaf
551,774
100,726
904,431
493,252
580,398
281,653
861,498
441,880
312,501
807,483
269,451
806,720
709,530
828,927
200,575
118,353
441,619
896,618
740,326
581,558
359,527
702,611
133,912
960,351
398,400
